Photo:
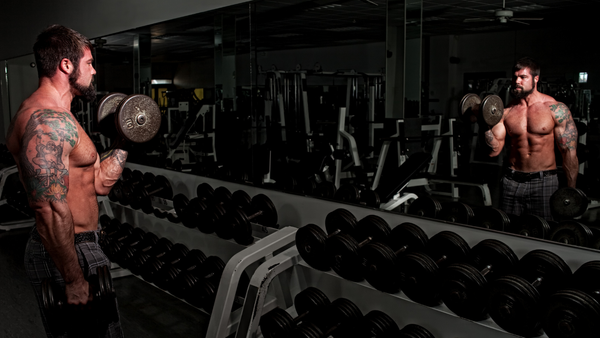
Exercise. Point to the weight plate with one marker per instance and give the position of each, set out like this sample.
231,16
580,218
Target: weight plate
533,226
310,241
241,198
447,245
491,218
414,331
342,253
544,264
269,212
205,191
372,226
464,291
514,306
425,206
571,313
455,212
469,102
106,106
347,193
419,278
493,254
276,323
381,270
340,219
587,278
568,202
138,118
573,233
370,198
378,324
492,109
180,201
310,300
326,189
407,235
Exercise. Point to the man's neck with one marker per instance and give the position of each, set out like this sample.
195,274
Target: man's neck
57,91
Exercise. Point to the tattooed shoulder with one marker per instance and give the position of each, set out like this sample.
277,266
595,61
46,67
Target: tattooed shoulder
560,111
48,139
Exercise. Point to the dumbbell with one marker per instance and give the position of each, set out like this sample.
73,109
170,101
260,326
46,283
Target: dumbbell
143,253
420,272
311,239
530,225
353,194
166,275
182,274
309,303
236,222
117,244
134,118
515,299
195,214
203,292
377,324
130,187
465,285
142,196
103,301
339,321
491,108
343,249
456,212
568,203
211,217
572,232
425,206
414,331
158,259
574,311
490,218
381,259
127,254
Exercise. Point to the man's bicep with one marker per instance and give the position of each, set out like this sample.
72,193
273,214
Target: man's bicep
47,141
565,130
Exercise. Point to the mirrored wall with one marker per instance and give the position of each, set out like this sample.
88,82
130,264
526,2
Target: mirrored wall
331,98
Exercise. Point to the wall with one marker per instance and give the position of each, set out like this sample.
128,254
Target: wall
23,20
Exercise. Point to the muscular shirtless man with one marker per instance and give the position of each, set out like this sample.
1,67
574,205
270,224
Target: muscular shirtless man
534,122
62,174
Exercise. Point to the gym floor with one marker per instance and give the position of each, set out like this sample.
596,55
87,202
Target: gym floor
145,310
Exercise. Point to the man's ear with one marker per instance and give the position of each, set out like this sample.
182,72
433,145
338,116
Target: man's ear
66,66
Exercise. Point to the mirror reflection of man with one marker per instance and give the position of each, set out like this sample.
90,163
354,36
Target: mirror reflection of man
535,122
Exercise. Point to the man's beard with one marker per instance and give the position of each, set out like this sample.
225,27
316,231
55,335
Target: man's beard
88,93
522,93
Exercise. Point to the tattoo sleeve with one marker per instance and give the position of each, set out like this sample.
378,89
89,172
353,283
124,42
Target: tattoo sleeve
566,138
48,138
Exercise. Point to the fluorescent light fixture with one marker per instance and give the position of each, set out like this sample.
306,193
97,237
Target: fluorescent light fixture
161,82
583,76
323,7
347,29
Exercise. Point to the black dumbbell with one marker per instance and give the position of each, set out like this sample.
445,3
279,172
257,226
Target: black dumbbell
166,275
456,212
212,216
101,289
154,246
420,281
181,202
117,244
142,197
381,259
377,324
158,259
414,331
530,225
236,222
425,206
311,239
125,186
309,303
465,285
343,249
574,311
127,255
490,218
195,214
515,299
572,232
339,321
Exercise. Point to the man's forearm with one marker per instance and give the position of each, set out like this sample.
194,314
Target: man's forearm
112,163
492,142
571,167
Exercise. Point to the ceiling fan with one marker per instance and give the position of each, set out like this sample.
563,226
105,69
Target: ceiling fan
503,16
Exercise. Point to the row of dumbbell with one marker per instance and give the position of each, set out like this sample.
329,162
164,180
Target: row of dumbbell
187,274
318,317
227,214
485,281
136,189
567,231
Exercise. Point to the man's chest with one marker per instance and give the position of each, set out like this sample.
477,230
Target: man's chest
523,121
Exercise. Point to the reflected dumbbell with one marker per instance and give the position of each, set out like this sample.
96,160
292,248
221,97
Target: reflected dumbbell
343,249
533,226
575,311
491,218
425,206
310,304
351,193
572,232
188,210
142,198
515,300
167,275
381,259
159,258
465,285
222,202
341,315
311,239
236,222
420,280
456,212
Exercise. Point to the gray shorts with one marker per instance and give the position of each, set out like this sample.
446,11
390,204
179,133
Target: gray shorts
40,266
529,193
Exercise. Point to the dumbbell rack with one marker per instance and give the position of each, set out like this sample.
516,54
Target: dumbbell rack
288,269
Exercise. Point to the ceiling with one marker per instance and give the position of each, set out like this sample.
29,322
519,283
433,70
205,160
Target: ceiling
292,24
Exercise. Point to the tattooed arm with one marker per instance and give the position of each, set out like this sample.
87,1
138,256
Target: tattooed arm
565,134
108,168
48,139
